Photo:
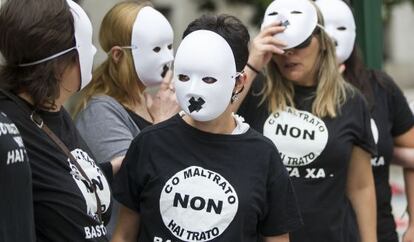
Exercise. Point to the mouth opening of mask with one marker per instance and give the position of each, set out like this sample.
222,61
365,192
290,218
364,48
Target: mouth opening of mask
164,70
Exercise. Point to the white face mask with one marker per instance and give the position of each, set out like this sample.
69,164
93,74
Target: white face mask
299,17
83,37
84,46
152,39
340,26
204,75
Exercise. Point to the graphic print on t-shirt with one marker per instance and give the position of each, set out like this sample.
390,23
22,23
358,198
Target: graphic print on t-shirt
197,204
96,176
376,160
299,136
18,153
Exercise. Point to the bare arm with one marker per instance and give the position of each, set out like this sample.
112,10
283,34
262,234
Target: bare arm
403,156
361,193
127,226
407,140
404,149
409,190
279,238
263,46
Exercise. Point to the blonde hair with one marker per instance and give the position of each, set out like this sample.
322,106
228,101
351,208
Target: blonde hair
331,92
116,79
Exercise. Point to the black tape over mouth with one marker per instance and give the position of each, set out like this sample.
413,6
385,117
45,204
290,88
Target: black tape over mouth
195,105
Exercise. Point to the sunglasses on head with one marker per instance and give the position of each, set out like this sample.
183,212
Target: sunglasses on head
307,41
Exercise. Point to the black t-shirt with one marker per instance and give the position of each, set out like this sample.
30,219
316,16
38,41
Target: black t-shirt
64,204
391,117
189,185
16,203
138,120
316,152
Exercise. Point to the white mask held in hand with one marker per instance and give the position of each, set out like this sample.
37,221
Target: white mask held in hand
152,39
204,75
340,26
83,38
298,16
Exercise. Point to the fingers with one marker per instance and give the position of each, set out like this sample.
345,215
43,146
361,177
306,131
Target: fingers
272,30
166,82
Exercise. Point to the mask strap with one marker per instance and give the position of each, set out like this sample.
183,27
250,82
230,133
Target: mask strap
238,74
321,27
47,58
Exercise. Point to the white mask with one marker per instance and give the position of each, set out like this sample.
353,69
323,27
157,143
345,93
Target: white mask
84,45
152,38
204,56
298,16
340,26
83,37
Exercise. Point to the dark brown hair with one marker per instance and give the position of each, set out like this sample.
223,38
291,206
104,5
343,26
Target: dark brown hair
31,30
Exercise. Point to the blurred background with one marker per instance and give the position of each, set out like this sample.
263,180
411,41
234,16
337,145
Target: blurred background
385,34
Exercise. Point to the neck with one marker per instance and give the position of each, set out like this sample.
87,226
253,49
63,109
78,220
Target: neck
224,124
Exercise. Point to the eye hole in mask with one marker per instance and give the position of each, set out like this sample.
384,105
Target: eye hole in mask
183,78
170,46
157,49
342,28
273,14
296,12
209,80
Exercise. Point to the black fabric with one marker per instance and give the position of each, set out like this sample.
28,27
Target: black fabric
319,180
16,203
138,120
392,117
64,207
195,178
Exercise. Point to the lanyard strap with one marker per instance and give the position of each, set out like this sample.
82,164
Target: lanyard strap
36,119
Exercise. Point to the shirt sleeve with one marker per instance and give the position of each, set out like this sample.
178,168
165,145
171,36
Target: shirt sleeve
402,118
282,213
106,168
106,129
363,131
130,180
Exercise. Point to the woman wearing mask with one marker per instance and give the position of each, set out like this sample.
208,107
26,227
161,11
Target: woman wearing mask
113,109
392,120
204,175
319,123
47,46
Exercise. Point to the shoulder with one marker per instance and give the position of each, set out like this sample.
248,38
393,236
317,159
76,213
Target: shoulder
383,81
102,105
170,125
354,96
103,101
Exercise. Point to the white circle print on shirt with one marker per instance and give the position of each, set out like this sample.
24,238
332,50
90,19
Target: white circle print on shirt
197,204
299,136
96,176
